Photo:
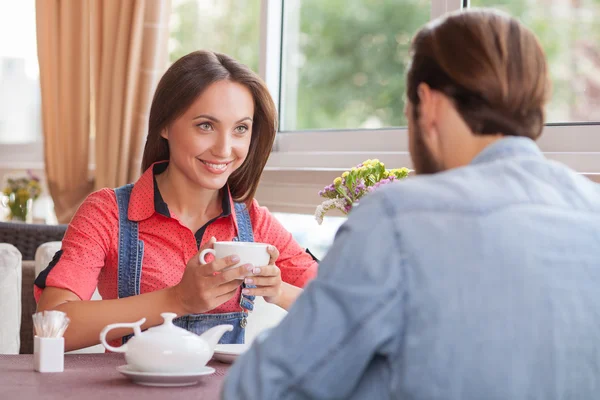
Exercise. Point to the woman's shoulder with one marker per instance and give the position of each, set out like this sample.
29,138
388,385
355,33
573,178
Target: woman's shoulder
102,202
265,224
96,219
257,211
103,197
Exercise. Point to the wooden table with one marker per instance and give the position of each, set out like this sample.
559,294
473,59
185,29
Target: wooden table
93,376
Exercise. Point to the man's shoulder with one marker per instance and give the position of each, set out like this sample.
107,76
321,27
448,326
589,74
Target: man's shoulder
491,186
436,192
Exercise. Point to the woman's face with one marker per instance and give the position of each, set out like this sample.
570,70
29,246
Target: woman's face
211,139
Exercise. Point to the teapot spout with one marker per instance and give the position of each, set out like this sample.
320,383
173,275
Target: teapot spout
213,335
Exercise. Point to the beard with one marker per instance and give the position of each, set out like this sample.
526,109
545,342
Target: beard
422,157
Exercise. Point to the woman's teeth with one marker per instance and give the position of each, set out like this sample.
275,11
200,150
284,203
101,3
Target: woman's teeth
215,166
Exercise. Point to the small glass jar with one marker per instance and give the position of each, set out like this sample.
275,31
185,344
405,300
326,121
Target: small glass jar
20,205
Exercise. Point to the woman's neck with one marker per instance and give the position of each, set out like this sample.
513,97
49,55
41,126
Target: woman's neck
193,205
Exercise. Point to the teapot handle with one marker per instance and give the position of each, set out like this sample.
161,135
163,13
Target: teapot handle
121,349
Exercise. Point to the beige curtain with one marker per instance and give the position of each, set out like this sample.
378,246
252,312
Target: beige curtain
129,53
63,51
99,63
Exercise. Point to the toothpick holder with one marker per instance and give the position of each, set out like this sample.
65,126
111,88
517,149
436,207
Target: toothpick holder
49,354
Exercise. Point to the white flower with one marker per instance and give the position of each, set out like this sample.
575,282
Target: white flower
327,205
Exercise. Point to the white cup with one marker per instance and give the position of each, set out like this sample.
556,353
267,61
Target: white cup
249,253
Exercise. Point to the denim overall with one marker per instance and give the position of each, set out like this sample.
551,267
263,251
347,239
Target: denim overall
131,253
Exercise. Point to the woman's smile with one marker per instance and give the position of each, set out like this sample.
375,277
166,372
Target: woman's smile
215,167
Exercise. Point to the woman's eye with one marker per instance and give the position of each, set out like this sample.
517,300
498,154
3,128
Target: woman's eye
205,126
241,129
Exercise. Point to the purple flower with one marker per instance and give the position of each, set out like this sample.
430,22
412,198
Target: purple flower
383,182
360,188
32,175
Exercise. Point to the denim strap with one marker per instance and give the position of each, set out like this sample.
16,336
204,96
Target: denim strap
245,234
131,249
242,217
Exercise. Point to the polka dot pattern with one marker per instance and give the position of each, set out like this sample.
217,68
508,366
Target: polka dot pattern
90,246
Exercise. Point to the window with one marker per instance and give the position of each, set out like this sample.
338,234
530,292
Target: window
343,62
569,32
310,235
226,26
20,99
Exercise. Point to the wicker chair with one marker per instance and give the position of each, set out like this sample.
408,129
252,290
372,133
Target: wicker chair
28,237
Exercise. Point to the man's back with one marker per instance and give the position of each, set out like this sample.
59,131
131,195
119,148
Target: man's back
502,274
477,283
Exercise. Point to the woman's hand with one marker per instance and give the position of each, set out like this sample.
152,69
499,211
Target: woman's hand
267,280
204,287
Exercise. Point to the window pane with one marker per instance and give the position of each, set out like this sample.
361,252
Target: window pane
344,61
227,26
305,230
20,99
569,32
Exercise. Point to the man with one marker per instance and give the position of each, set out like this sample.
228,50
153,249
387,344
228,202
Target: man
478,279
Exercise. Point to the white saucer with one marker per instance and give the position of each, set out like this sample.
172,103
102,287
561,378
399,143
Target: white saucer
165,379
227,353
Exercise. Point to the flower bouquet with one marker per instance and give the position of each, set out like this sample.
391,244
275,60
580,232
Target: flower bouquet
346,191
19,194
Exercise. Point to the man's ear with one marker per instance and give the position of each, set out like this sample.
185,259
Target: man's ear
165,133
430,117
427,107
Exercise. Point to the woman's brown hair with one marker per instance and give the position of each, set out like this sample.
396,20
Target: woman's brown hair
490,65
187,79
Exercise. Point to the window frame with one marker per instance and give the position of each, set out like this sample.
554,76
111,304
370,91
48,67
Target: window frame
303,162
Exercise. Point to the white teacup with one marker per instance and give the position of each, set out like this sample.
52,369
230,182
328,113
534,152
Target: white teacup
249,253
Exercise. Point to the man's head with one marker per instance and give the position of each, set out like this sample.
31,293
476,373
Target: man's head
475,76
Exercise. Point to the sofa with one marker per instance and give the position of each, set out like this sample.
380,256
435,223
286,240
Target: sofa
11,278
28,237
28,307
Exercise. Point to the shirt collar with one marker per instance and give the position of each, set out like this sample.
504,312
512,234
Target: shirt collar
508,147
146,198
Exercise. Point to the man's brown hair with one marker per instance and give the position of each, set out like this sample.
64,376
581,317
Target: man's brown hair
490,65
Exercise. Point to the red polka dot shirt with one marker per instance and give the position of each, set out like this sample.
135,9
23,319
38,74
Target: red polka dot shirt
89,254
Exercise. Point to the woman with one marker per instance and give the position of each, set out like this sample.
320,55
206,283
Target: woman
211,129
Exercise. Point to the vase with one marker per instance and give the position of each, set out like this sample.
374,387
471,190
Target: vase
21,207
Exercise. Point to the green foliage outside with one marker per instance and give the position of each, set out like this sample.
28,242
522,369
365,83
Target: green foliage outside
227,26
344,66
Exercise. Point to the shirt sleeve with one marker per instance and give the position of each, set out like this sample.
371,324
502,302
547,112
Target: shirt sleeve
297,266
85,247
344,325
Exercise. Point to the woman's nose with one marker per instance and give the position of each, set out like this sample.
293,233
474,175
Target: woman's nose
222,146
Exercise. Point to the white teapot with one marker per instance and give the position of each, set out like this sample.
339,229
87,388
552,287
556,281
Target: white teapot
166,348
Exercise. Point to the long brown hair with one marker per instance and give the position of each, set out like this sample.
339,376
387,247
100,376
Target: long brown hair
490,65
181,85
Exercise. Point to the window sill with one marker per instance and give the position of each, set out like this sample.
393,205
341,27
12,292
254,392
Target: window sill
304,162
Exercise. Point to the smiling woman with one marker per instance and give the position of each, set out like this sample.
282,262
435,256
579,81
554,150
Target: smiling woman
211,128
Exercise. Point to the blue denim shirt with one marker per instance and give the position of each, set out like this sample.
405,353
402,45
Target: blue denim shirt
481,282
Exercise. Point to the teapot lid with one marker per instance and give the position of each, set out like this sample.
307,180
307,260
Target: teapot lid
168,327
